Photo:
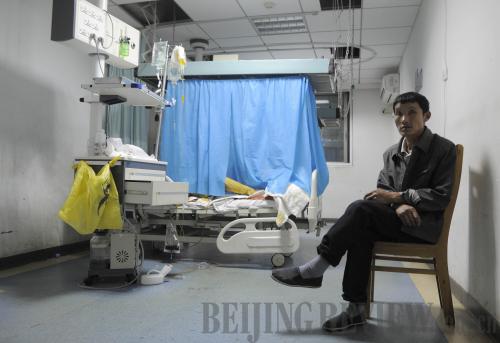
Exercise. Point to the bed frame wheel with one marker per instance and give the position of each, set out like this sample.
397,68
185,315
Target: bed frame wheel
278,260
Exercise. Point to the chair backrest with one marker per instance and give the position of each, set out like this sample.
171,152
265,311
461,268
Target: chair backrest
448,213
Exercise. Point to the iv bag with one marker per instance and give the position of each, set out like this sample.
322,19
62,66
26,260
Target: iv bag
174,72
176,65
159,54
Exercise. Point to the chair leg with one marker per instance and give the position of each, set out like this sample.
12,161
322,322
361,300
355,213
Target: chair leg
372,280
445,289
438,285
370,290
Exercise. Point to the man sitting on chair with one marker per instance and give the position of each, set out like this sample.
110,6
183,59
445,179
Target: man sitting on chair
413,190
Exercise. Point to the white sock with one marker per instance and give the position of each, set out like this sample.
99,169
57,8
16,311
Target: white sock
314,268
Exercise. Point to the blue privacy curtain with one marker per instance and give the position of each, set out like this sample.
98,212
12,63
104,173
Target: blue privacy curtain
260,132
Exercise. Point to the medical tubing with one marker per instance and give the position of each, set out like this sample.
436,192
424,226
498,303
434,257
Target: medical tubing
92,36
112,33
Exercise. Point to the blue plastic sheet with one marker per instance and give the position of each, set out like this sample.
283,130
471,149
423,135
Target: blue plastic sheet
260,132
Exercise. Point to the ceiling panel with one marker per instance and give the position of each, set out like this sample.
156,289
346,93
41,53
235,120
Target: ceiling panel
206,10
257,8
386,29
382,62
290,46
310,5
181,33
229,28
241,42
323,53
287,38
262,55
390,50
386,36
322,45
389,3
121,14
250,49
333,20
288,54
341,37
389,17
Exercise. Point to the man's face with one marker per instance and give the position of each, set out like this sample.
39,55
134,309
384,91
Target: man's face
410,119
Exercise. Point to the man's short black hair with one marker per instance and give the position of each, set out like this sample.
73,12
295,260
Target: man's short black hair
412,97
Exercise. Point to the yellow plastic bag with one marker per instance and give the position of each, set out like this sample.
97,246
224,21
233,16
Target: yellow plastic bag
93,200
237,187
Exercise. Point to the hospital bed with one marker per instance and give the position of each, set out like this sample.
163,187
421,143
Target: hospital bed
159,211
244,227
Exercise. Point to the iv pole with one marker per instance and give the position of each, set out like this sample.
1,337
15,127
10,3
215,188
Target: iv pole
162,108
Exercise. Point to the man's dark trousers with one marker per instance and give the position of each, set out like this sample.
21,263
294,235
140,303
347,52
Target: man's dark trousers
363,223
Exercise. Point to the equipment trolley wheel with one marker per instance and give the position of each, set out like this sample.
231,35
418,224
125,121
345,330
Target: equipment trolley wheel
89,281
278,260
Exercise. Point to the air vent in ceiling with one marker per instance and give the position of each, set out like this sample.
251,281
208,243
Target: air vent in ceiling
328,5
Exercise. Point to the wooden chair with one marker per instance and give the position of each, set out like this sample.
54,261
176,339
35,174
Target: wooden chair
434,254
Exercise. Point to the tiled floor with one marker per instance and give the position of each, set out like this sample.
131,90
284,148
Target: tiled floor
212,297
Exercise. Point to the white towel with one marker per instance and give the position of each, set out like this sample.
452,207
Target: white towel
115,147
292,202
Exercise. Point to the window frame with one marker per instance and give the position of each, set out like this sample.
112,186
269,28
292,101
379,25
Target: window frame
350,134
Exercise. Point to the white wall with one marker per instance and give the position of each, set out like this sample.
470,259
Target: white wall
464,37
42,126
372,134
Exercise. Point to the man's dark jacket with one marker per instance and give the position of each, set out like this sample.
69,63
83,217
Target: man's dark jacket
426,180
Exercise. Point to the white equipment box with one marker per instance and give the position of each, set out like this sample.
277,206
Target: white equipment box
141,181
81,24
130,169
156,193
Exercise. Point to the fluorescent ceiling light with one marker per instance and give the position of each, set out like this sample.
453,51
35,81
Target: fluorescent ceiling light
279,24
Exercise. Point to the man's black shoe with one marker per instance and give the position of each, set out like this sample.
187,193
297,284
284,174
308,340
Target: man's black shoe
291,277
353,315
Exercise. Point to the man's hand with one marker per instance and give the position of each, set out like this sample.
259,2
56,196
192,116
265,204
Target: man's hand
384,196
408,215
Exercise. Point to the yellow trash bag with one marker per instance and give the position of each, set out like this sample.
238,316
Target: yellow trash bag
93,200
236,187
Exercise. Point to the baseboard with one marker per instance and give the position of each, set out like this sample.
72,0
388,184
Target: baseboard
488,323
44,254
